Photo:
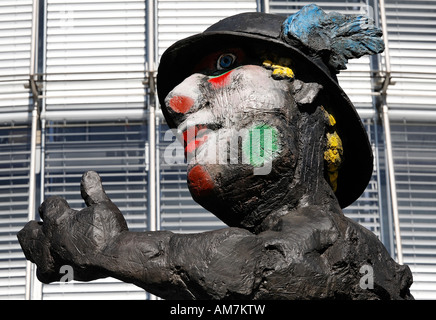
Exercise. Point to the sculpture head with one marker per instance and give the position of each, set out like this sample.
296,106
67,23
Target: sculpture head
265,124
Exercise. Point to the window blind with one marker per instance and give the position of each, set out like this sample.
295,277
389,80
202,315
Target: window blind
411,101
181,19
95,58
15,37
412,30
414,146
117,152
14,186
93,97
15,102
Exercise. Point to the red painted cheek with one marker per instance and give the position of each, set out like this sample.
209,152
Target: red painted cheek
200,182
181,104
221,81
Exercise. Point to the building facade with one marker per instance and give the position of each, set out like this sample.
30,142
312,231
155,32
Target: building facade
77,93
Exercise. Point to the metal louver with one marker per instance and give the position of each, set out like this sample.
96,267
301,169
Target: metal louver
95,60
117,152
15,102
92,60
15,38
414,146
14,186
412,30
181,19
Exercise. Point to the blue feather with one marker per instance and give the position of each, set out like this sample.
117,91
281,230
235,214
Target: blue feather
334,37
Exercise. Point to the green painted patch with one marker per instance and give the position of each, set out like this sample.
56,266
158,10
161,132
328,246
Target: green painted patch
262,144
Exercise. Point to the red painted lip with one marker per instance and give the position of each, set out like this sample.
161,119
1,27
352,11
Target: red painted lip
194,137
200,182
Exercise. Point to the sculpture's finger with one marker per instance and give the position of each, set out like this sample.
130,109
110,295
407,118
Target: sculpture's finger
91,189
36,248
52,208
28,237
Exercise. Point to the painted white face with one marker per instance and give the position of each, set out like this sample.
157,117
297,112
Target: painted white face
235,123
232,119
219,109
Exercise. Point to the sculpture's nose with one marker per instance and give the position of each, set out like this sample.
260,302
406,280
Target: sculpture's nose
185,98
181,103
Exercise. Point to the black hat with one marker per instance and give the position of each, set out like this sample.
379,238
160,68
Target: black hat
320,42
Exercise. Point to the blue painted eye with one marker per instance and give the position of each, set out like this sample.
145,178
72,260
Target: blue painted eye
225,61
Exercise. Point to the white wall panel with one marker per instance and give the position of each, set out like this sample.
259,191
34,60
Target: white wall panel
93,91
117,152
414,146
181,19
15,34
96,55
412,33
15,37
14,186
412,30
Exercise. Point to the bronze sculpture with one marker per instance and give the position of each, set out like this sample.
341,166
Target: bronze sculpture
264,80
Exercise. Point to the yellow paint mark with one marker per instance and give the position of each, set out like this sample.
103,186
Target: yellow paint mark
334,150
267,64
332,120
333,154
279,72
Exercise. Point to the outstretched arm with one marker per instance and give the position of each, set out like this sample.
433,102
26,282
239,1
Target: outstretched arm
212,265
96,243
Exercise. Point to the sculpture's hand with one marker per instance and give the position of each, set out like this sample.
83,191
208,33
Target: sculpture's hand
70,237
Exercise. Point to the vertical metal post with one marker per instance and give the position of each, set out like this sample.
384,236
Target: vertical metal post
157,117
32,192
33,142
157,173
34,38
151,63
151,199
266,6
386,230
392,182
387,129
384,26
151,116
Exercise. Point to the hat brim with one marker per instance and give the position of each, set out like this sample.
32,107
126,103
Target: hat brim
178,62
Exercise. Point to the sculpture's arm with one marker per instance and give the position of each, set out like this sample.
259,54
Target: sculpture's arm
211,265
96,243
